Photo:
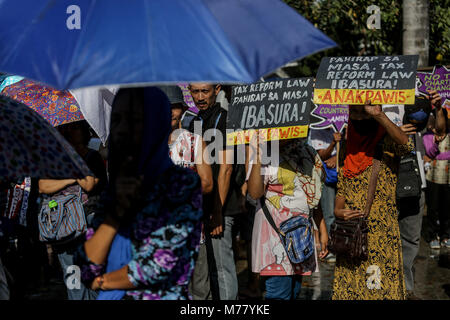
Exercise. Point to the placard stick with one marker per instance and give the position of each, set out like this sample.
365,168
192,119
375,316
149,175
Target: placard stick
337,157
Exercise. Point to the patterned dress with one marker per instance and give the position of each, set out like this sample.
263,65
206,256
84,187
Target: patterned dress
164,239
293,188
381,275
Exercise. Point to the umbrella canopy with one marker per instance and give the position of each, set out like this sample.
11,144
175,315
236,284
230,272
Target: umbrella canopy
96,105
71,44
57,107
31,147
8,80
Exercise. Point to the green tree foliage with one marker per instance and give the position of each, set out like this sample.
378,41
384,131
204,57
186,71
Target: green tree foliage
439,32
345,21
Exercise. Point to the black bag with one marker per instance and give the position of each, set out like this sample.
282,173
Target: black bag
409,182
349,238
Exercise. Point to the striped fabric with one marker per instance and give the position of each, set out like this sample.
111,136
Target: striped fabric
65,222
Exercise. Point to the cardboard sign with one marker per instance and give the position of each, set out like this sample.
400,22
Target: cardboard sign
332,116
438,80
355,80
276,110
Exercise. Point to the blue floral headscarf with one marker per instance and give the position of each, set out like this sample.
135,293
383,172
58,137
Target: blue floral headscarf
140,117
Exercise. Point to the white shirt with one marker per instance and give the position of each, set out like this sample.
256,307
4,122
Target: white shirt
321,139
395,113
180,150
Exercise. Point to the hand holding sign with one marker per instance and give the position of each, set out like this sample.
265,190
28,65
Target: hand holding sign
373,110
254,149
435,97
331,163
438,80
337,136
409,129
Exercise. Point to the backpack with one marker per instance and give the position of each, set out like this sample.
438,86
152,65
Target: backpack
61,218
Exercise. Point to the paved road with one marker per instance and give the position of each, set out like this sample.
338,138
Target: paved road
432,279
432,276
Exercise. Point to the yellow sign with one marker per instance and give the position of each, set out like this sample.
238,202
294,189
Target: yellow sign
357,96
267,134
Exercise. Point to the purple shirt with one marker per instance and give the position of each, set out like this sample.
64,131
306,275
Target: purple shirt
432,148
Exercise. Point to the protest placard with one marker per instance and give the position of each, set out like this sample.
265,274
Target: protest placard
187,97
277,110
438,80
331,116
356,80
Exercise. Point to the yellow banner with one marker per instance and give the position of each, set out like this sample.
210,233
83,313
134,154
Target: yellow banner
357,96
267,134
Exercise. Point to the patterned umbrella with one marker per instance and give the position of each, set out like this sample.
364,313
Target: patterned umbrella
29,146
55,106
8,80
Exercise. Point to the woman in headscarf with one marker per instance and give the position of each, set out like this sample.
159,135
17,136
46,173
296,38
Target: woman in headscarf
144,248
371,135
287,190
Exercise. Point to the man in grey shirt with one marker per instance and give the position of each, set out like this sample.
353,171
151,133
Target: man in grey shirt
411,210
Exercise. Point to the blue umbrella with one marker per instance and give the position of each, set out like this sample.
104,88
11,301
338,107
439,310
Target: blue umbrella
78,43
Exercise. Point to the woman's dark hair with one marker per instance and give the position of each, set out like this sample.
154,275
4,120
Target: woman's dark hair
76,132
418,113
126,184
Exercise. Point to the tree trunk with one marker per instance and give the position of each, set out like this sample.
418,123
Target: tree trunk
416,28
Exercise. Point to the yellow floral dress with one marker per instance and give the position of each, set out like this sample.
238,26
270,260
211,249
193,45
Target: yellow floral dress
381,275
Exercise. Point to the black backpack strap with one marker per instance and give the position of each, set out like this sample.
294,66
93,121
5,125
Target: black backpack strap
89,154
192,148
269,216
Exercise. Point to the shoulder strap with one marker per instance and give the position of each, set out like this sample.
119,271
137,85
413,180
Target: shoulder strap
376,165
269,216
216,123
192,148
217,120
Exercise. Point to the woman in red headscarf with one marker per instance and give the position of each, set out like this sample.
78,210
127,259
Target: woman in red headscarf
371,135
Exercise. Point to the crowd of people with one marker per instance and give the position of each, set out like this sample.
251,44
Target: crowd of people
163,211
